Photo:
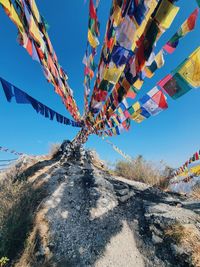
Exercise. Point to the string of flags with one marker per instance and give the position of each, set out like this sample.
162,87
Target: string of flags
33,36
184,167
157,62
185,28
11,91
92,43
11,151
119,151
128,59
180,81
16,153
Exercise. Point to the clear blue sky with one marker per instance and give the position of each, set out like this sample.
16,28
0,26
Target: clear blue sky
171,136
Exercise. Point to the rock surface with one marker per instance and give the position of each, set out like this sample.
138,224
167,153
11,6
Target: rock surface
90,218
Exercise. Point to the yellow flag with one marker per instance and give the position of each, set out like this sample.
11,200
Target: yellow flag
35,10
195,170
92,40
15,18
11,12
166,13
190,71
140,29
138,84
34,31
137,117
159,59
112,74
114,131
6,4
117,15
148,72
136,106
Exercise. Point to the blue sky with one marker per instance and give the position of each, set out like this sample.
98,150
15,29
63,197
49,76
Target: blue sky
172,136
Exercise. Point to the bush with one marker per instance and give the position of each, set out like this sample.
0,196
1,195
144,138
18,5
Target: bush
140,170
187,236
18,201
53,150
196,191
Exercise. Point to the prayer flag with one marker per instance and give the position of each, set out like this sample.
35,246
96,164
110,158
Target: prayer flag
190,69
185,28
174,85
166,13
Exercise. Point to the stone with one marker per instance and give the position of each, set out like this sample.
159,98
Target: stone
156,239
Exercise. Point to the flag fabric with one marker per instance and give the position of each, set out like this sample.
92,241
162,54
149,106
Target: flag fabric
92,43
157,63
119,151
160,17
185,28
21,97
166,13
184,167
185,77
175,87
190,69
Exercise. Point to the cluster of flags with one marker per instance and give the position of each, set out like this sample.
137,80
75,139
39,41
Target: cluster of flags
124,56
33,36
92,43
11,91
180,81
184,167
127,58
125,63
122,114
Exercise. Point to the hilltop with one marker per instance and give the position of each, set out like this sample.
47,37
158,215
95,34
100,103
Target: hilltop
84,216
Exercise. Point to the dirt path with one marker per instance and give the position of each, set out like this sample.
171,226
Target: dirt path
121,251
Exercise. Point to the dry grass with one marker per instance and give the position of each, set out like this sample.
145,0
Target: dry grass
18,201
16,170
196,192
188,237
53,150
139,170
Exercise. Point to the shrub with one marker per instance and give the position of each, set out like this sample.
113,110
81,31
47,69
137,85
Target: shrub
196,191
188,237
139,170
18,201
54,149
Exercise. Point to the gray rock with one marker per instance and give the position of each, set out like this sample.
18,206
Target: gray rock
156,239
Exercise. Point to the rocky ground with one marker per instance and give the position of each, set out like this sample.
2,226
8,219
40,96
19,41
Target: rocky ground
90,218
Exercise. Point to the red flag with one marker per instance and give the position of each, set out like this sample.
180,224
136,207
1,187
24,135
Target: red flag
192,19
197,156
93,13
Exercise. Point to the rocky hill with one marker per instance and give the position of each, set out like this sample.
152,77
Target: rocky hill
88,217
